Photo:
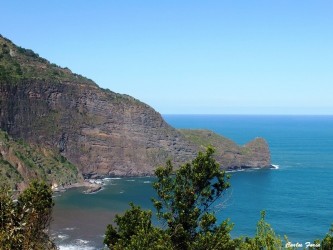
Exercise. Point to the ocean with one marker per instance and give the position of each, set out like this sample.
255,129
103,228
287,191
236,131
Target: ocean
297,197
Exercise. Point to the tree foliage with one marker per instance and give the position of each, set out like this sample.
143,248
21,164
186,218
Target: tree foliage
185,203
24,223
186,198
265,238
135,231
327,242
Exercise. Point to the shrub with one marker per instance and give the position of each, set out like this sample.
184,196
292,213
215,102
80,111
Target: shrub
24,224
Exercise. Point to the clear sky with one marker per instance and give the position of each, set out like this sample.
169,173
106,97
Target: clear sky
188,56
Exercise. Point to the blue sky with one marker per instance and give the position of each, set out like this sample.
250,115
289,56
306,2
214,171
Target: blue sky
189,57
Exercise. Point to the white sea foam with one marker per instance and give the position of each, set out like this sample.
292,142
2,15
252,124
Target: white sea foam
147,182
63,236
130,180
78,244
112,178
275,166
235,170
69,228
75,247
82,242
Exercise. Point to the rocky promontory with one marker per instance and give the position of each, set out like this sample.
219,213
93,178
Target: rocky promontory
101,132
254,154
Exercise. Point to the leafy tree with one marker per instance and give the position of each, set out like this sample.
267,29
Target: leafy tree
135,231
24,223
186,198
185,203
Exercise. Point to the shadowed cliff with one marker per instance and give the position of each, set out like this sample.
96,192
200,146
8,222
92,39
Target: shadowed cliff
101,132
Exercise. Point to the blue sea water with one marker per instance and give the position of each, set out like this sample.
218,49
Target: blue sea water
297,197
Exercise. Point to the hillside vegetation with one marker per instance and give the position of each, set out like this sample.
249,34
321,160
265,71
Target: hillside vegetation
17,63
20,163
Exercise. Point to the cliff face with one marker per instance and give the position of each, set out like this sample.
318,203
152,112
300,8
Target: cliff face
102,132
99,131
20,163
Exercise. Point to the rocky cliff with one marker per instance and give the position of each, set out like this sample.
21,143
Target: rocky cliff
102,132
20,163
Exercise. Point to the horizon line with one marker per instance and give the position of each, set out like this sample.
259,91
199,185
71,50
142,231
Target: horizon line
248,114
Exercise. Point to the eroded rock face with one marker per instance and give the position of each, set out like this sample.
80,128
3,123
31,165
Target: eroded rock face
102,132
105,133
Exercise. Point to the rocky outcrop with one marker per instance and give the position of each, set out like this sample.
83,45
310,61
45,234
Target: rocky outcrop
254,154
101,132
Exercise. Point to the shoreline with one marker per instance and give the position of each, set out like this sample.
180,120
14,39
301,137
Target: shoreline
91,186
95,185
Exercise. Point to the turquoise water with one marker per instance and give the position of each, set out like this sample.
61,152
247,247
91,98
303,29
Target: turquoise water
297,196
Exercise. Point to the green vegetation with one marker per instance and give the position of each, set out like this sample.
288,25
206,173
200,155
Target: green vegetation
24,224
185,201
17,64
327,242
265,238
204,138
223,145
20,162
9,172
185,205
135,231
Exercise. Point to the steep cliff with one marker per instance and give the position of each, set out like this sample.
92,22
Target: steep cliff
20,163
102,132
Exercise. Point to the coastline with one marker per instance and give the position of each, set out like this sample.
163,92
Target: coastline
91,185
95,185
